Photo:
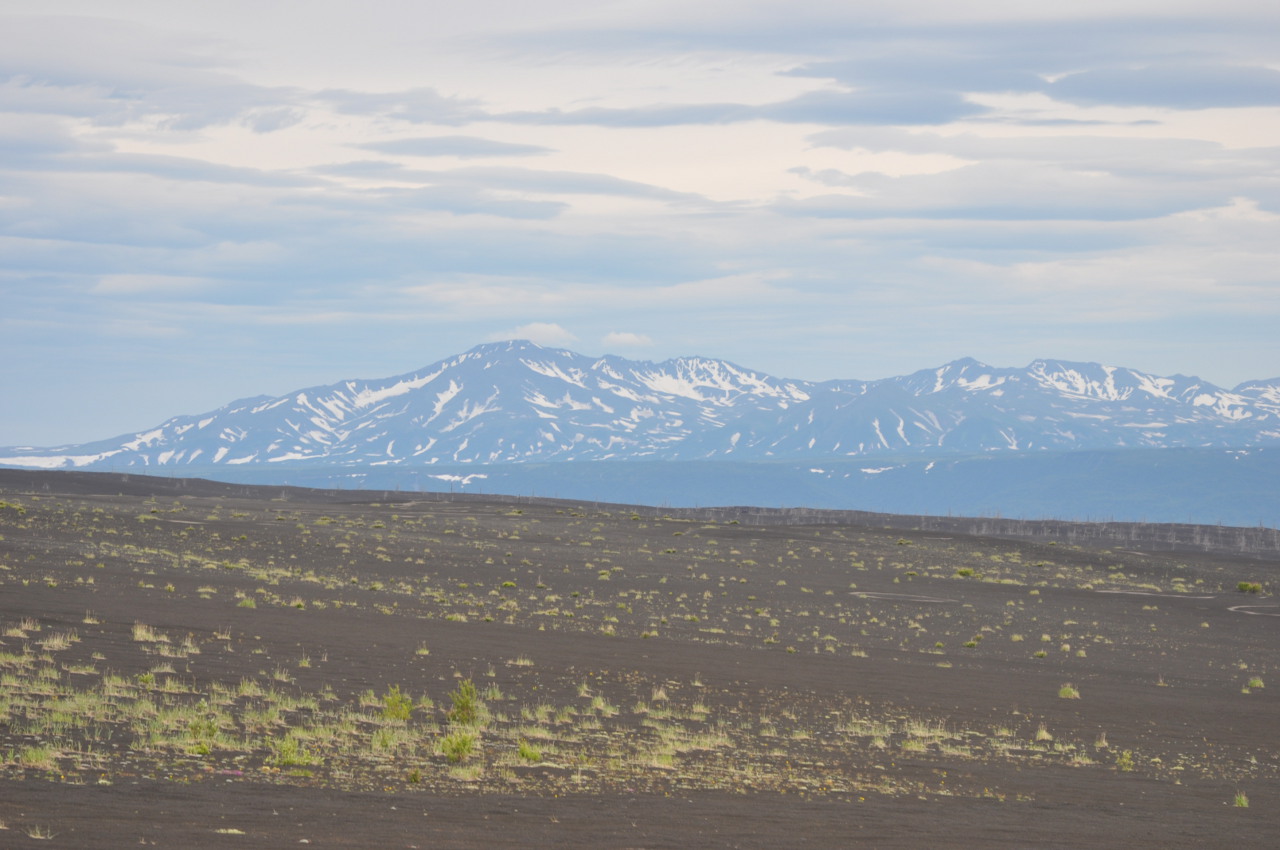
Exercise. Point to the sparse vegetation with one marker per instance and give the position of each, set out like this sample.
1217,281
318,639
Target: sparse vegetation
288,694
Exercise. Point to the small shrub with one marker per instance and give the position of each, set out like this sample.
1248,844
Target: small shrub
1124,761
1241,801
467,707
1249,587
395,705
1068,691
457,745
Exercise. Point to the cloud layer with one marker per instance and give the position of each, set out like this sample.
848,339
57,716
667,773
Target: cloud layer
193,209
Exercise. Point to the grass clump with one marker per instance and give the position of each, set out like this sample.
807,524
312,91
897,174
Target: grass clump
458,745
1249,587
145,634
468,709
1068,691
39,756
290,752
396,705
1241,801
529,753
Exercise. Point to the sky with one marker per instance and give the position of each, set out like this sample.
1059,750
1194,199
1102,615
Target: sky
201,202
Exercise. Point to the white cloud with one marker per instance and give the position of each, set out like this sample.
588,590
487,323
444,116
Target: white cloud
543,333
625,339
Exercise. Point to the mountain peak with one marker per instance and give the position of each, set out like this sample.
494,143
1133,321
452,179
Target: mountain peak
505,346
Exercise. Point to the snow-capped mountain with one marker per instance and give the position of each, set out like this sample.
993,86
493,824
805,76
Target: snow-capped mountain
515,402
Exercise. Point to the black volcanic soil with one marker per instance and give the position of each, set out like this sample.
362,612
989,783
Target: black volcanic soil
219,668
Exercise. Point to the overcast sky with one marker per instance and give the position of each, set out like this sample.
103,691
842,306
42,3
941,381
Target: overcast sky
206,201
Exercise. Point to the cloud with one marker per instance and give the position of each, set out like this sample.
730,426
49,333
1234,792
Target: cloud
465,147
271,119
923,59
874,107
114,72
1003,191
178,168
469,200
625,339
554,182
487,181
834,108
423,105
909,69
1188,86
134,284
656,115
1045,177
543,333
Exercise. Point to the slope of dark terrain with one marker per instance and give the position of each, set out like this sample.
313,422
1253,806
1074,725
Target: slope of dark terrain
195,664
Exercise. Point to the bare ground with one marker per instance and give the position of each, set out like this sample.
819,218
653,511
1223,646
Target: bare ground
645,682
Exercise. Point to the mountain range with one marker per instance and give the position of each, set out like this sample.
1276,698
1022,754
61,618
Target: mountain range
517,402
518,417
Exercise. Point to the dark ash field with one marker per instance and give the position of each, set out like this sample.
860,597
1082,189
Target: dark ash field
187,664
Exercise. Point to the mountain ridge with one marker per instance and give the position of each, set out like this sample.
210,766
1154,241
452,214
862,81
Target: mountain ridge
518,402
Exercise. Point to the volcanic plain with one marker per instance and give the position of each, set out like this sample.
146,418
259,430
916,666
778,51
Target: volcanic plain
186,664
